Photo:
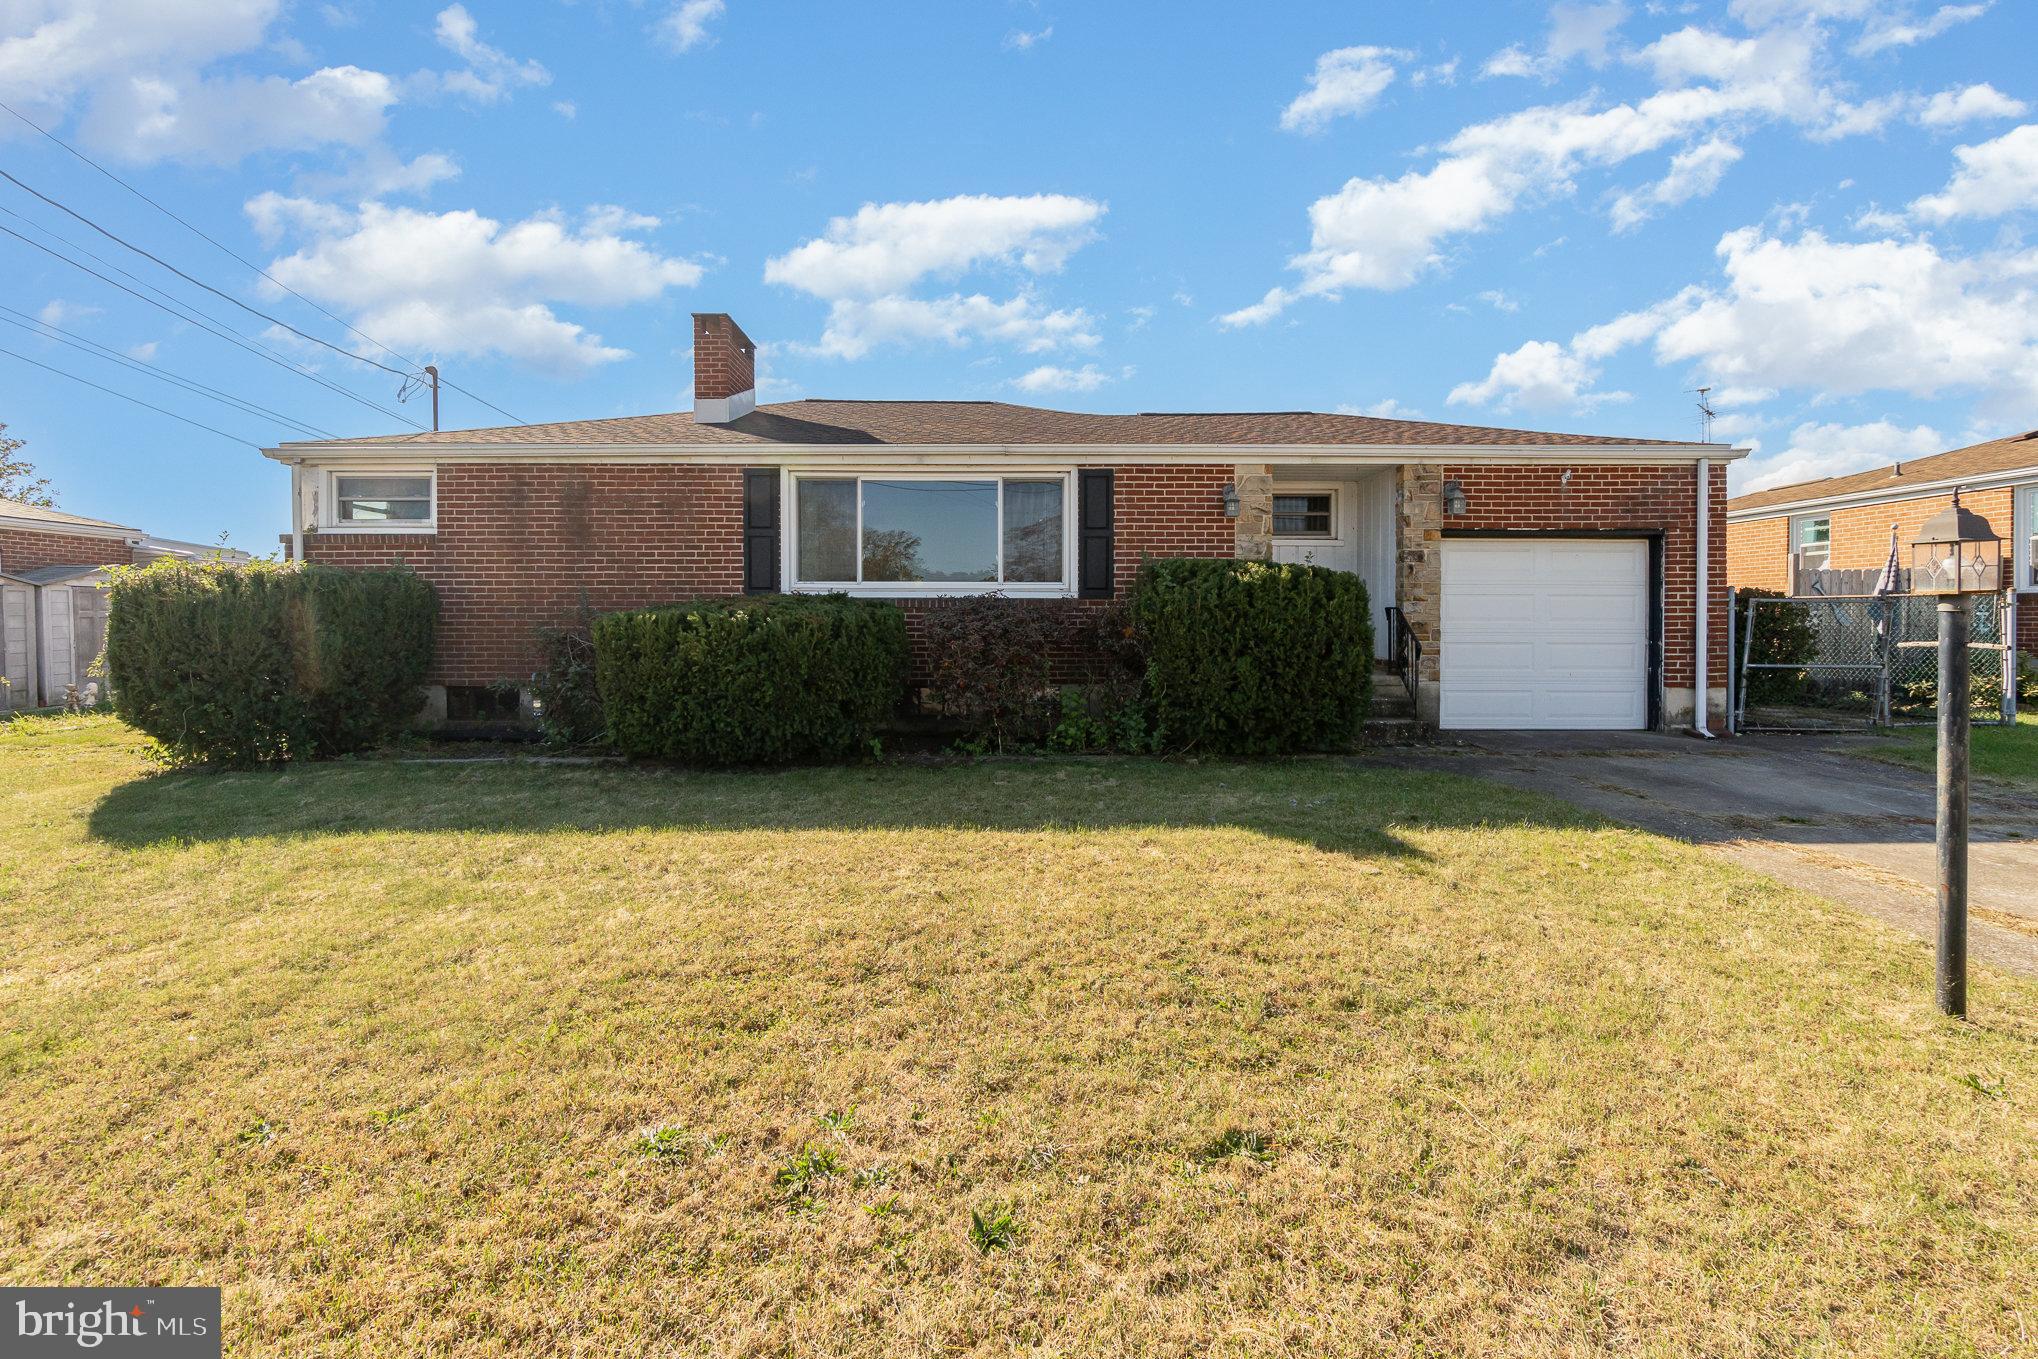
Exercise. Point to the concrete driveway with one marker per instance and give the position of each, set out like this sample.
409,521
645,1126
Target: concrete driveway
1800,809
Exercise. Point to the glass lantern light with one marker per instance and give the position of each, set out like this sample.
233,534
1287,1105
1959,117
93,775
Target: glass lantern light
1956,553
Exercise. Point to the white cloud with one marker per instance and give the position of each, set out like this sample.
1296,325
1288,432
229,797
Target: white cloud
1345,83
491,72
1388,409
461,283
146,118
57,311
1049,378
686,27
145,351
1973,103
1891,31
143,78
866,265
1694,173
1834,450
1834,318
1992,179
1386,233
1443,73
1499,300
1019,40
1577,31
566,109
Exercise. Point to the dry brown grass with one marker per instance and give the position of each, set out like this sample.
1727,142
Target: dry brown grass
1301,1058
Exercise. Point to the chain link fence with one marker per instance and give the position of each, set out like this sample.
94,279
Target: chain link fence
1838,664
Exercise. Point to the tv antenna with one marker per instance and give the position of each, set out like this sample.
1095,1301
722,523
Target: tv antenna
1706,414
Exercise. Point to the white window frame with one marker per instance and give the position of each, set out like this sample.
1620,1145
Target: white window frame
1334,535
789,535
2024,524
1797,546
329,520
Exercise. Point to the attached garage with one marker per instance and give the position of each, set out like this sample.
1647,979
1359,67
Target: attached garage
1546,633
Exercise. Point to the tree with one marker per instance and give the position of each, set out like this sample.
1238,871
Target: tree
18,480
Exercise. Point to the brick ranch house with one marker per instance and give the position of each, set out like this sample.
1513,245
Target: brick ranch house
53,598
1831,537
1548,580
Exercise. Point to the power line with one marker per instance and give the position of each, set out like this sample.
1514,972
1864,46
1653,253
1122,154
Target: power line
246,263
211,327
135,400
35,326
200,283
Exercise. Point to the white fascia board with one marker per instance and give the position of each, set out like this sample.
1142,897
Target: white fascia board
2020,476
893,455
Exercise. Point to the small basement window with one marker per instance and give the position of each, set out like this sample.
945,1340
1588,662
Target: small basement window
482,703
1311,515
383,498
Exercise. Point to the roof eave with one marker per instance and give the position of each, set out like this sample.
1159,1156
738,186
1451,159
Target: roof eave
750,453
1876,495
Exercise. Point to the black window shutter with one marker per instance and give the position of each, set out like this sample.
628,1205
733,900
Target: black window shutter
760,530
1096,526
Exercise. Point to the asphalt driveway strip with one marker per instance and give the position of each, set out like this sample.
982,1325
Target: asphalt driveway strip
1807,810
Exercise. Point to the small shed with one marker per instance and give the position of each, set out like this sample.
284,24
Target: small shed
21,687
65,614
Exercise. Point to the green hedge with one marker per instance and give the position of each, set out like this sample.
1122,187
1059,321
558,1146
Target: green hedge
240,665
1254,658
751,681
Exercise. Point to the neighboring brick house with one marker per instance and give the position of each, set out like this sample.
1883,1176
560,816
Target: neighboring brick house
1546,580
53,597
1832,537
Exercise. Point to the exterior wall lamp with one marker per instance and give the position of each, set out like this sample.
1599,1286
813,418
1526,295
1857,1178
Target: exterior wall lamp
1230,494
1955,557
1454,498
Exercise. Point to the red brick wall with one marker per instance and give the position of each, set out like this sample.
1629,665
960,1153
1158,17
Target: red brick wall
1611,499
28,549
1758,554
518,543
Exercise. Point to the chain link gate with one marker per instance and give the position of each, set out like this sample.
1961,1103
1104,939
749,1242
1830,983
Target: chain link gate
1846,664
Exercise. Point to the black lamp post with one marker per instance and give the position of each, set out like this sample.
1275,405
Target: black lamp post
1955,557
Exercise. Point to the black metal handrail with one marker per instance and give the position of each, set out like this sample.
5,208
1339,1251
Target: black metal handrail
1404,649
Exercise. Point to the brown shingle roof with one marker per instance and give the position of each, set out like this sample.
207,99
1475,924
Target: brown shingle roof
994,422
2016,453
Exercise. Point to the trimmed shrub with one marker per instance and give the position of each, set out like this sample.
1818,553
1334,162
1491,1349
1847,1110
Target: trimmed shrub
1253,658
991,662
566,702
751,681
241,665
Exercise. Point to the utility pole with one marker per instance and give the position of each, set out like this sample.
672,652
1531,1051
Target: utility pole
432,370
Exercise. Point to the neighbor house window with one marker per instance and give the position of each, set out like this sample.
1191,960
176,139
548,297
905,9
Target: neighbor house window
1811,544
397,500
1309,515
968,534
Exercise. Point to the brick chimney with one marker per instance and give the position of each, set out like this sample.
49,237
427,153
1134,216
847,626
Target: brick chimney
724,370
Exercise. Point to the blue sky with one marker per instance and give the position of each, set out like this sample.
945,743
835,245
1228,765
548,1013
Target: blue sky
1554,216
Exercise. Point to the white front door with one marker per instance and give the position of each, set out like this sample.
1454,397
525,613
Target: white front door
1549,633
1346,525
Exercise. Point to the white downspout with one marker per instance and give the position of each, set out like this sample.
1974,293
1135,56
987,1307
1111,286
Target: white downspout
1701,715
297,513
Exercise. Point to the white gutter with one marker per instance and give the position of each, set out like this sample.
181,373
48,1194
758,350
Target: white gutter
1701,714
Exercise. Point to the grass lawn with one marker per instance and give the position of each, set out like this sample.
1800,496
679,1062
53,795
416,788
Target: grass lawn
2006,753
1226,1060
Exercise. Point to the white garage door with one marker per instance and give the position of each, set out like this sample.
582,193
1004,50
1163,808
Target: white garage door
1549,633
